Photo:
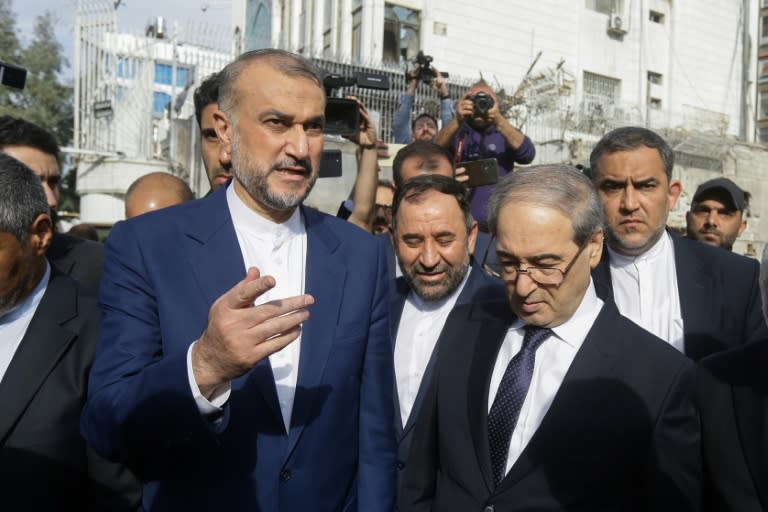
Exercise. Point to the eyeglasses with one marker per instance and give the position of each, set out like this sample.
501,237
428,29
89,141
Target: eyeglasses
547,276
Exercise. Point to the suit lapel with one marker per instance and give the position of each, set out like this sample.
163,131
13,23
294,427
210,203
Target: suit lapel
489,331
751,408
595,357
43,345
601,276
325,278
217,264
396,305
694,286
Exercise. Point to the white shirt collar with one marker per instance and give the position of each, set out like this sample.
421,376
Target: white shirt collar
574,330
258,226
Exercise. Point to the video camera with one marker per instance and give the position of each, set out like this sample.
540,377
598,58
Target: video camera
342,116
12,76
426,73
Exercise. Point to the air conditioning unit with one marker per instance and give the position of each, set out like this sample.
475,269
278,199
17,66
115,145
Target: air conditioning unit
616,25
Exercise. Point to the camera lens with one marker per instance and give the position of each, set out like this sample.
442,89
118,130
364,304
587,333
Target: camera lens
482,102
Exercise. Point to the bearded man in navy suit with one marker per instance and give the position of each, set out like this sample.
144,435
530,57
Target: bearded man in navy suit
244,359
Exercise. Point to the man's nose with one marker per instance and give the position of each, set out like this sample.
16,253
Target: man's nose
297,143
430,256
629,199
51,196
524,284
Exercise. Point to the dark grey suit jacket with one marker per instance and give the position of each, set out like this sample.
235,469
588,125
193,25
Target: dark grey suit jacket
78,258
620,433
719,296
731,393
44,462
480,287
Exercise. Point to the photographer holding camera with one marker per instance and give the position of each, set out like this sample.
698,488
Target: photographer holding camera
480,131
424,127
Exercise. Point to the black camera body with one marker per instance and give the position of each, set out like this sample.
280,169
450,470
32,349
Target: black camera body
12,76
483,102
342,116
424,63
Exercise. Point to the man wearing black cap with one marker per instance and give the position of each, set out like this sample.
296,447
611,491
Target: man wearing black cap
717,213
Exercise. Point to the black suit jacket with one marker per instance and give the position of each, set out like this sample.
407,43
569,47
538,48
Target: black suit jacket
620,434
44,462
480,287
719,296
78,258
731,393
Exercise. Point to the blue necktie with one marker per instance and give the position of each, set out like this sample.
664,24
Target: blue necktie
510,396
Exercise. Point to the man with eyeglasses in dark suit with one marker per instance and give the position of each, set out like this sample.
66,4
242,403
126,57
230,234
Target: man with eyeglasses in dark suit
550,406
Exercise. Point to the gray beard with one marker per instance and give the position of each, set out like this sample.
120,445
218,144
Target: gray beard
255,180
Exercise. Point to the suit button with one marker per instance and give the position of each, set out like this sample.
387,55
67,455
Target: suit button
489,508
286,475
400,465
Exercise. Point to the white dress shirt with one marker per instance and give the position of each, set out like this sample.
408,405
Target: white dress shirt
15,322
278,250
645,290
418,330
553,358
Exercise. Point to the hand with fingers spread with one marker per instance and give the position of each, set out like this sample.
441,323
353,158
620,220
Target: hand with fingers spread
239,335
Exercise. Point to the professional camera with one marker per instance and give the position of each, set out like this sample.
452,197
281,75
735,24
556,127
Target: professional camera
482,102
342,116
425,71
12,76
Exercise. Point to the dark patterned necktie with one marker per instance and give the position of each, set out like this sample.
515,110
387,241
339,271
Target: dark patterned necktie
510,396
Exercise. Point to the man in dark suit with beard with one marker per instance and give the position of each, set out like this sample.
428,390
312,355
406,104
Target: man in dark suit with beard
697,298
434,236
560,403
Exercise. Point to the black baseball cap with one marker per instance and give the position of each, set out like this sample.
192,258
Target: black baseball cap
737,197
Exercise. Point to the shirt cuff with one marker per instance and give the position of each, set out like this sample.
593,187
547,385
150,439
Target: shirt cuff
206,407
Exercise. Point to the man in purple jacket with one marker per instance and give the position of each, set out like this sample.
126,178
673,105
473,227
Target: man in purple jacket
480,131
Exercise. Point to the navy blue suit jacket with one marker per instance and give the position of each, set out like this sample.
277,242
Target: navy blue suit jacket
479,288
162,273
719,296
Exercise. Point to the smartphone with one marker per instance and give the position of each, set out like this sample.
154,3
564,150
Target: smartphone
330,164
480,172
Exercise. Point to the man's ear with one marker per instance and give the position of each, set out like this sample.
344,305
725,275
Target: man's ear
41,233
224,131
742,226
595,248
675,189
472,238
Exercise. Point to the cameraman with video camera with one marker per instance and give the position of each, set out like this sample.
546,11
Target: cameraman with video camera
480,131
424,127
